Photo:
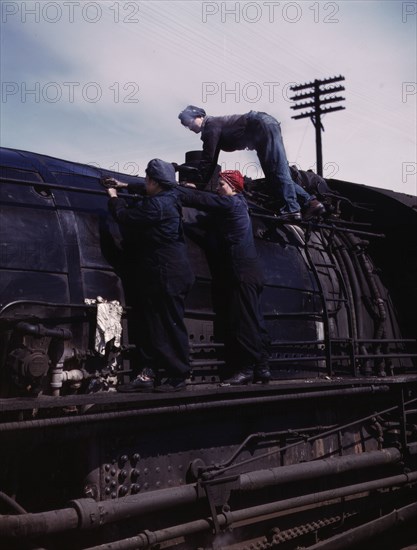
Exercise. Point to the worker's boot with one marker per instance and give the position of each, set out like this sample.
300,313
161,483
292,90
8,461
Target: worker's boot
313,209
241,378
262,374
290,217
145,380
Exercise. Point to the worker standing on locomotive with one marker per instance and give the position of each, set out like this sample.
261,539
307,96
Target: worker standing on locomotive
258,131
237,280
162,271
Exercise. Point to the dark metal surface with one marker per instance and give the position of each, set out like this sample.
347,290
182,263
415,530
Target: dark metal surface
112,470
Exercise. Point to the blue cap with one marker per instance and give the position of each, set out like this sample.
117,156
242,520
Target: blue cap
162,172
190,113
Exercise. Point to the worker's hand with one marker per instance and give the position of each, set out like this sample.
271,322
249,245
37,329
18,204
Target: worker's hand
188,184
112,192
112,182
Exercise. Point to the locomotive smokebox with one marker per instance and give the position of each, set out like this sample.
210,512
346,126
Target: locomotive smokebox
189,173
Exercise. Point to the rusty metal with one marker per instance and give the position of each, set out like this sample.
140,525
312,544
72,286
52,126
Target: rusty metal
86,514
181,408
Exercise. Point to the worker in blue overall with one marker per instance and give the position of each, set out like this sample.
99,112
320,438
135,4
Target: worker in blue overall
237,279
256,131
160,265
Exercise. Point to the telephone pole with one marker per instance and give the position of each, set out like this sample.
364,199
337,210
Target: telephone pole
317,90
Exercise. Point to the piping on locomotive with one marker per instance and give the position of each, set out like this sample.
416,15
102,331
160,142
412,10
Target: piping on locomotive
339,306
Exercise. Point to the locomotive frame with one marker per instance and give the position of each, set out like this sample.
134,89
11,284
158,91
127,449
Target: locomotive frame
323,457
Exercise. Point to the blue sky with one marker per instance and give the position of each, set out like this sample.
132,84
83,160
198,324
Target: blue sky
103,82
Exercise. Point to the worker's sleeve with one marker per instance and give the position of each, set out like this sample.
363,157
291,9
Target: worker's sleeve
136,188
211,149
204,200
143,214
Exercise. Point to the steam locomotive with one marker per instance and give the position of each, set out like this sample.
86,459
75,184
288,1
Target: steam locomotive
322,457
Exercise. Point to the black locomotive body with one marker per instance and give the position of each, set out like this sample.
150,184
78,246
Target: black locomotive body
322,457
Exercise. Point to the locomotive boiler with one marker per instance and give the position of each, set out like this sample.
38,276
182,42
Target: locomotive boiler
322,457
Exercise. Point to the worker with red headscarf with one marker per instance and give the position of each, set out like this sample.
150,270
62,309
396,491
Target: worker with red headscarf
237,278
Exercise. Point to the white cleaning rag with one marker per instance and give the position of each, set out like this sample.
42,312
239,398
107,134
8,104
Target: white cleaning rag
109,326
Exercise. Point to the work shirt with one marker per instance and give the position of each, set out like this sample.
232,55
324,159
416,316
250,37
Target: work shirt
233,228
154,234
223,133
